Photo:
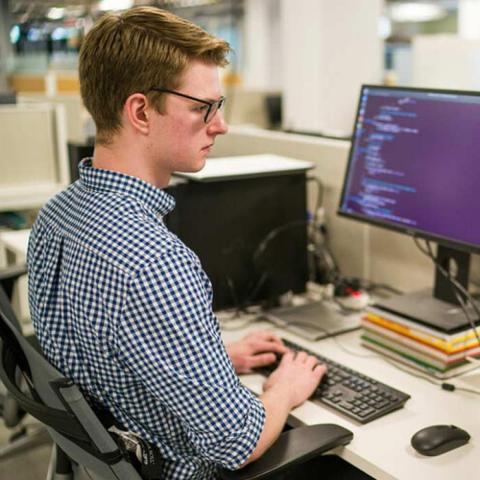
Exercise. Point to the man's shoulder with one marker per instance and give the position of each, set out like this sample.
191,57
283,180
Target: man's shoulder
121,231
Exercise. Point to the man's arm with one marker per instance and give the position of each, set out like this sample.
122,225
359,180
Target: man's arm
288,386
168,338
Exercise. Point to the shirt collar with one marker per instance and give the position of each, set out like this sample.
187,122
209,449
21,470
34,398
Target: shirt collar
108,180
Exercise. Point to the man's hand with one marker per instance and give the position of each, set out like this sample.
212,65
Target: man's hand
255,350
296,378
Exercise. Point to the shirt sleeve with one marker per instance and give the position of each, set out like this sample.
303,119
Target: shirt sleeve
170,338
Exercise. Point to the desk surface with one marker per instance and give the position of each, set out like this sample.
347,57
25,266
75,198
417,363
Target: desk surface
382,447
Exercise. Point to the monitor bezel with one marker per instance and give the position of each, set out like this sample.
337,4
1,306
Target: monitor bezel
413,232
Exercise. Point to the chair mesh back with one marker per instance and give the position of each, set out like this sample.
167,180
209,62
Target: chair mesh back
57,402
62,420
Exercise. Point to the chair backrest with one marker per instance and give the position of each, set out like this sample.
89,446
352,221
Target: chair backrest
8,277
11,412
58,403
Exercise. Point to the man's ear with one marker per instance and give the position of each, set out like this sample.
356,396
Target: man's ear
136,110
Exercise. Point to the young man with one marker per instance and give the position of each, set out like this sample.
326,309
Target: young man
120,304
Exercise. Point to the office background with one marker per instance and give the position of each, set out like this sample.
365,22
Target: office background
292,87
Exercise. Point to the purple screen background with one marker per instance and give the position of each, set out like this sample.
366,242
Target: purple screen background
428,167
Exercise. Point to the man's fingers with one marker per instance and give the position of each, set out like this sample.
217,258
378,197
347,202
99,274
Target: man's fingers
288,357
261,360
320,370
268,340
269,346
301,357
311,361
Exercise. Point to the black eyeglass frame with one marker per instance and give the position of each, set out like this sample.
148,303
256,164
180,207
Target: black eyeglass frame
218,103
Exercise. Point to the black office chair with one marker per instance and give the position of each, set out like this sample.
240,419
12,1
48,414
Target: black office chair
84,446
25,434
291,449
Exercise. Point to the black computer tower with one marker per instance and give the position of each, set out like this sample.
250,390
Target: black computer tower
249,233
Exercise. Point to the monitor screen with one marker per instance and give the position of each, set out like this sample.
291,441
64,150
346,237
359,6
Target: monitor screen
414,164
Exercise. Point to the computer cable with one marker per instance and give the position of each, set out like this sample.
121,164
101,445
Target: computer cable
233,290
257,288
320,196
450,387
447,386
457,287
257,284
257,254
323,265
314,227
262,246
243,306
370,287
347,350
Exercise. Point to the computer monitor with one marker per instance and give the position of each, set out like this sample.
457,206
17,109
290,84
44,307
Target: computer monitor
414,167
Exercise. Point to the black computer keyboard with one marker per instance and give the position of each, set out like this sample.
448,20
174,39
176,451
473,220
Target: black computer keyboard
350,392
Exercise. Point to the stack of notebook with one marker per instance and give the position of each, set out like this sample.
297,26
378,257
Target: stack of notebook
442,352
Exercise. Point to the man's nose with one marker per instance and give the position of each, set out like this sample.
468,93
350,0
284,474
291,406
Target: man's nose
218,125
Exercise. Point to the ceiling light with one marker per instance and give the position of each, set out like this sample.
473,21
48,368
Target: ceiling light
34,35
59,33
384,27
55,13
15,34
416,12
115,4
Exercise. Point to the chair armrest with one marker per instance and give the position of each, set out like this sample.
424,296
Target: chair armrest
293,447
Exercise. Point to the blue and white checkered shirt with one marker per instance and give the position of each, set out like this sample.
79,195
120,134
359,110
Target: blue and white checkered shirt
123,308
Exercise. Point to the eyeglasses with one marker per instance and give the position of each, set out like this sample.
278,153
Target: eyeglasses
212,109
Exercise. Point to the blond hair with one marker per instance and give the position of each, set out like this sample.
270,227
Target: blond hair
134,51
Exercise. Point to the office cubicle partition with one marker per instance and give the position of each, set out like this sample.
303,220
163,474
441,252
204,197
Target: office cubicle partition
33,155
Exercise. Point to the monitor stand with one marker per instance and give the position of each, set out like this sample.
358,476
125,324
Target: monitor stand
440,310
457,263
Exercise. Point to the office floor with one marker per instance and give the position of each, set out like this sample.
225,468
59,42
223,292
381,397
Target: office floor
31,464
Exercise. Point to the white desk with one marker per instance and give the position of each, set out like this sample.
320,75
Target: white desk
382,447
